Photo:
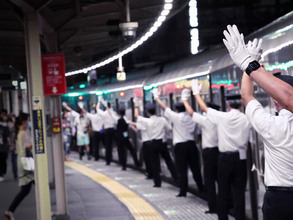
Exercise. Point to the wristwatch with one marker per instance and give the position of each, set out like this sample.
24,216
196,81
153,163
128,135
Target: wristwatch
254,65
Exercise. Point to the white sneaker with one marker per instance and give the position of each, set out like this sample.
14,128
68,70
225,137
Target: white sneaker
2,178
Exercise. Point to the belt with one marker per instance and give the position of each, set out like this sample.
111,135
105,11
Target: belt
211,148
279,188
157,140
230,152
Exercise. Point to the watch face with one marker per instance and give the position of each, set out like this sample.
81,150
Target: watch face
254,65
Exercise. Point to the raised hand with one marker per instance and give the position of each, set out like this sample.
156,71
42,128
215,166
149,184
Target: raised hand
185,94
254,49
236,47
156,93
195,87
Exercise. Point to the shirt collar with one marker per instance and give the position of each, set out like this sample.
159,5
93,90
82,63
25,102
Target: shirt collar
153,116
285,112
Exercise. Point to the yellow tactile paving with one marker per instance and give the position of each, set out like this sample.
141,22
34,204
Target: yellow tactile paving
139,208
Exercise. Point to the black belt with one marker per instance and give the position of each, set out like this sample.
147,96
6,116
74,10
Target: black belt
279,188
211,148
157,140
230,152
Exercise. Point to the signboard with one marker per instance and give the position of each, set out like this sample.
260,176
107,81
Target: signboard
56,124
53,71
38,125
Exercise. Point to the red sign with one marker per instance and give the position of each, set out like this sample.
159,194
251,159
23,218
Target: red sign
53,68
56,124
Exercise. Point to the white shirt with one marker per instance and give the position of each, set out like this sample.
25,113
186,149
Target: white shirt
81,125
209,130
110,120
143,132
96,120
233,130
183,126
277,133
155,126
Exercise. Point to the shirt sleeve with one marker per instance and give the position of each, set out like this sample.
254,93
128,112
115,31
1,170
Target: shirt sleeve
198,118
139,126
75,122
90,116
214,115
74,114
171,115
258,117
144,121
102,113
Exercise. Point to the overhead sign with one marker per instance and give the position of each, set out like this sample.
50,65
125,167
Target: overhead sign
54,79
38,125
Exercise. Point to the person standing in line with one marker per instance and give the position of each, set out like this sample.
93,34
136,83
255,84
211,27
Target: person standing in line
210,152
26,179
110,119
123,142
233,133
11,126
82,124
66,134
275,130
71,115
186,152
4,148
156,131
97,125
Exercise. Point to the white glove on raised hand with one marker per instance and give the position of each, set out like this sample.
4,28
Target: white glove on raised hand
236,47
100,99
156,93
64,104
185,94
195,87
254,49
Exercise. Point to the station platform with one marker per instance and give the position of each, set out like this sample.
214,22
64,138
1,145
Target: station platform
97,191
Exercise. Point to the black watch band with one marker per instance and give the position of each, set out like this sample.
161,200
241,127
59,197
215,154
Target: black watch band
254,65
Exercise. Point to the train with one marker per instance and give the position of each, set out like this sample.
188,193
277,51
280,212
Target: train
219,76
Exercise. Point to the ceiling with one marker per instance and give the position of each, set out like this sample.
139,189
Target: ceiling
87,31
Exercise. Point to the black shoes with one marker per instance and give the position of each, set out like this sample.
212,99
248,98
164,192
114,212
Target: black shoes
181,195
157,186
123,168
210,212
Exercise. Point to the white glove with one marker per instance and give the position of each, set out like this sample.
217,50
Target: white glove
236,47
254,49
195,87
185,94
64,104
156,93
100,99
80,104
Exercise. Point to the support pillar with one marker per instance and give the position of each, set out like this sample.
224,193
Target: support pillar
35,91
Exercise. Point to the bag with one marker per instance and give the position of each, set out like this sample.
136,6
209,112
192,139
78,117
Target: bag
27,162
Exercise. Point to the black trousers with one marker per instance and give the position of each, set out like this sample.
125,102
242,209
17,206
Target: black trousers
186,154
231,173
24,191
158,148
109,137
123,145
147,157
3,163
277,205
14,163
96,144
210,162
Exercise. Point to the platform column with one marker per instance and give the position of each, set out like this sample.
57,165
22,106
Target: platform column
35,91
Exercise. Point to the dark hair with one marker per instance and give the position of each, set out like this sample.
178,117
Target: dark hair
4,111
180,108
79,110
18,122
109,105
122,112
236,104
152,111
63,114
